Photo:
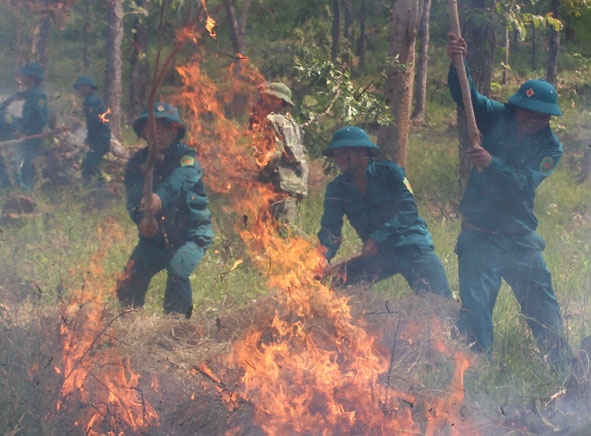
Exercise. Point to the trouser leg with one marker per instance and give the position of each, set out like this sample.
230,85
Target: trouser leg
425,273
178,296
26,174
528,276
90,165
144,263
480,281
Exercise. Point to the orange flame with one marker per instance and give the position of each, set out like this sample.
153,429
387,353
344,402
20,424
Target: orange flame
105,117
92,370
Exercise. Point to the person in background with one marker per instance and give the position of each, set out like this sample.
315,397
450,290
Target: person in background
279,149
34,118
178,234
378,201
98,137
498,238
7,130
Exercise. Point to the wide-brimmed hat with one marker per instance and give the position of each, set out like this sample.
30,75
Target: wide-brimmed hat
279,90
32,69
351,136
537,95
85,80
161,111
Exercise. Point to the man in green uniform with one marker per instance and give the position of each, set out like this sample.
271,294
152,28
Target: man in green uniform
498,238
35,116
280,149
180,231
377,199
98,137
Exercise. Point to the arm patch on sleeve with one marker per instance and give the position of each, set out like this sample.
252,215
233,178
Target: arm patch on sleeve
187,161
546,165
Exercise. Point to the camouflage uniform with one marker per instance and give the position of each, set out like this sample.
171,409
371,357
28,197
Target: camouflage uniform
288,167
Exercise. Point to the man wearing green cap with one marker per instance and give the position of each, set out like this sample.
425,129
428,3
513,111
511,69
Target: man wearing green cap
34,118
498,238
279,148
98,136
378,201
180,231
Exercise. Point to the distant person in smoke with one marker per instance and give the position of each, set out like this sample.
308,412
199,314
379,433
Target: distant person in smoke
378,201
98,137
34,118
280,150
180,231
498,238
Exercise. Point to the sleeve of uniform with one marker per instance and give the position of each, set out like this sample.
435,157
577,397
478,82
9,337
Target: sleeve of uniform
134,187
484,107
185,185
331,223
522,181
405,211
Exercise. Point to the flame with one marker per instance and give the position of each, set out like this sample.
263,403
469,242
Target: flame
105,117
315,369
92,371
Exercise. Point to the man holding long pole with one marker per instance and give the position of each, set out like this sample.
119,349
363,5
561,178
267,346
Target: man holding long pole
498,239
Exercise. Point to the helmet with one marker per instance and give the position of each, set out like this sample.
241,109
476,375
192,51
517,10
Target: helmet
85,80
161,110
32,69
351,136
537,95
279,90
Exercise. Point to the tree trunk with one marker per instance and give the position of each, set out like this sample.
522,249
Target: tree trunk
480,37
398,90
348,31
335,31
139,66
534,47
44,30
553,47
420,98
236,36
506,57
113,66
85,32
362,41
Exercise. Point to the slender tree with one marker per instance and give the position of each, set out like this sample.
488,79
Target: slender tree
420,95
113,69
398,90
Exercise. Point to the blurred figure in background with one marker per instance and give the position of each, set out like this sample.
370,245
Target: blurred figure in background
98,137
34,118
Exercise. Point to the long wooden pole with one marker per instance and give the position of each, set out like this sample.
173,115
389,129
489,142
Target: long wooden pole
458,61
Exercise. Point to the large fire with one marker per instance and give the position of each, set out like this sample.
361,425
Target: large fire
314,370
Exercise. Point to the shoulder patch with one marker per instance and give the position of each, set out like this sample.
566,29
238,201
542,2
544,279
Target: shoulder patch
187,161
547,165
407,184
41,102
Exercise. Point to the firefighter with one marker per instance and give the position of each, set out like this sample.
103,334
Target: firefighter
378,201
34,118
498,238
277,134
98,137
178,234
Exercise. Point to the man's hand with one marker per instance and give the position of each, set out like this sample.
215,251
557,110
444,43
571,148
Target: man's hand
456,47
479,157
156,204
370,248
148,227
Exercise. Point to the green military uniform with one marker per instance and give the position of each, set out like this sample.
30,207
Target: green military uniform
498,238
184,222
387,214
98,135
35,116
